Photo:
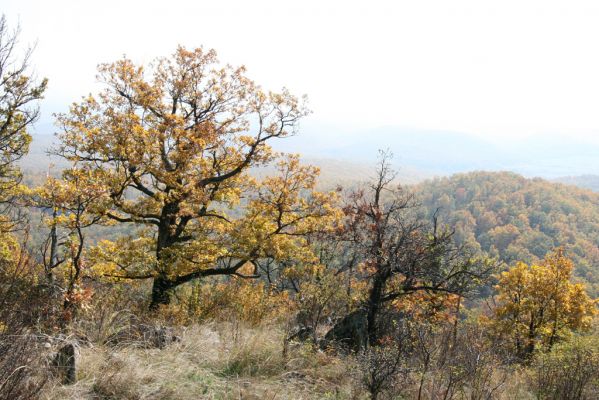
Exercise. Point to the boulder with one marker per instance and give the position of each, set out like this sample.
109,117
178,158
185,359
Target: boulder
350,332
158,336
65,362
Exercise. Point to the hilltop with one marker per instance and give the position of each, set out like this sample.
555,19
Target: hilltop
515,218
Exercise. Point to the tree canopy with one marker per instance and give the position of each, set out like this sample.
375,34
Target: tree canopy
518,219
538,305
171,147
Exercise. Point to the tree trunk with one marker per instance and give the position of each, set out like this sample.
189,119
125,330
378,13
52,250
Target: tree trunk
53,253
161,292
530,345
374,304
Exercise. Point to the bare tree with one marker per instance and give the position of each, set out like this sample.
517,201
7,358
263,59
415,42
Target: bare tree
402,253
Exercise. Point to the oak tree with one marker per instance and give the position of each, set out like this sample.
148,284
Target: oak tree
538,305
403,255
173,145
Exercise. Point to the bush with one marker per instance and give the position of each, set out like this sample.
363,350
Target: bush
570,371
24,307
321,300
383,370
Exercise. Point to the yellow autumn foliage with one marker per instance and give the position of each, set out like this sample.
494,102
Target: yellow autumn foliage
168,148
539,305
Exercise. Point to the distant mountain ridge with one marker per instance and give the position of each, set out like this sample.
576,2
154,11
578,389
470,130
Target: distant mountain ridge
418,155
438,152
333,172
590,182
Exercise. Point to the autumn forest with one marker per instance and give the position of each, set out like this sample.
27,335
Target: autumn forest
175,253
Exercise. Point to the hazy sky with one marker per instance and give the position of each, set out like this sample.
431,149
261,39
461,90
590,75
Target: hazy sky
492,68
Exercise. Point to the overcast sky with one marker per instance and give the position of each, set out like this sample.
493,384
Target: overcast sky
492,68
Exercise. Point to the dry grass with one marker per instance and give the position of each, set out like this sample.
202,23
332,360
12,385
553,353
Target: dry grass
212,361
230,361
227,360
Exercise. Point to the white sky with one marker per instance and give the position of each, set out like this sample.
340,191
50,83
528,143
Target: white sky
492,68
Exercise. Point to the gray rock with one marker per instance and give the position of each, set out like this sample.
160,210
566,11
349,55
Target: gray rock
158,336
65,362
351,331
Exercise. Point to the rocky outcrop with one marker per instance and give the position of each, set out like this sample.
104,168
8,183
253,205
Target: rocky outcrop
350,332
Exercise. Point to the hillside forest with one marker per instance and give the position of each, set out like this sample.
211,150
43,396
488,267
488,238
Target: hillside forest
174,254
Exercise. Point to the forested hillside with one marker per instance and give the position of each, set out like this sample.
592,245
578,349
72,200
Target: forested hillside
514,218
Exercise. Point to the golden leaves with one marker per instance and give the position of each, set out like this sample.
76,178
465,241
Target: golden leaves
540,303
170,146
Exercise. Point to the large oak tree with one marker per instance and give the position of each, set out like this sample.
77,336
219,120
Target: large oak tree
172,145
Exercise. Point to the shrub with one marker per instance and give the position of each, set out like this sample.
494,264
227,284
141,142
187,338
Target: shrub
570,371
24,307
238,299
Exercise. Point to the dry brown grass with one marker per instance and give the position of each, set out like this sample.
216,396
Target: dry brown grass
212,361
227,360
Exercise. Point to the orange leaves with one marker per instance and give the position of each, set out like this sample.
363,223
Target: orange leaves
19,94
430,307
178,125
287,209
